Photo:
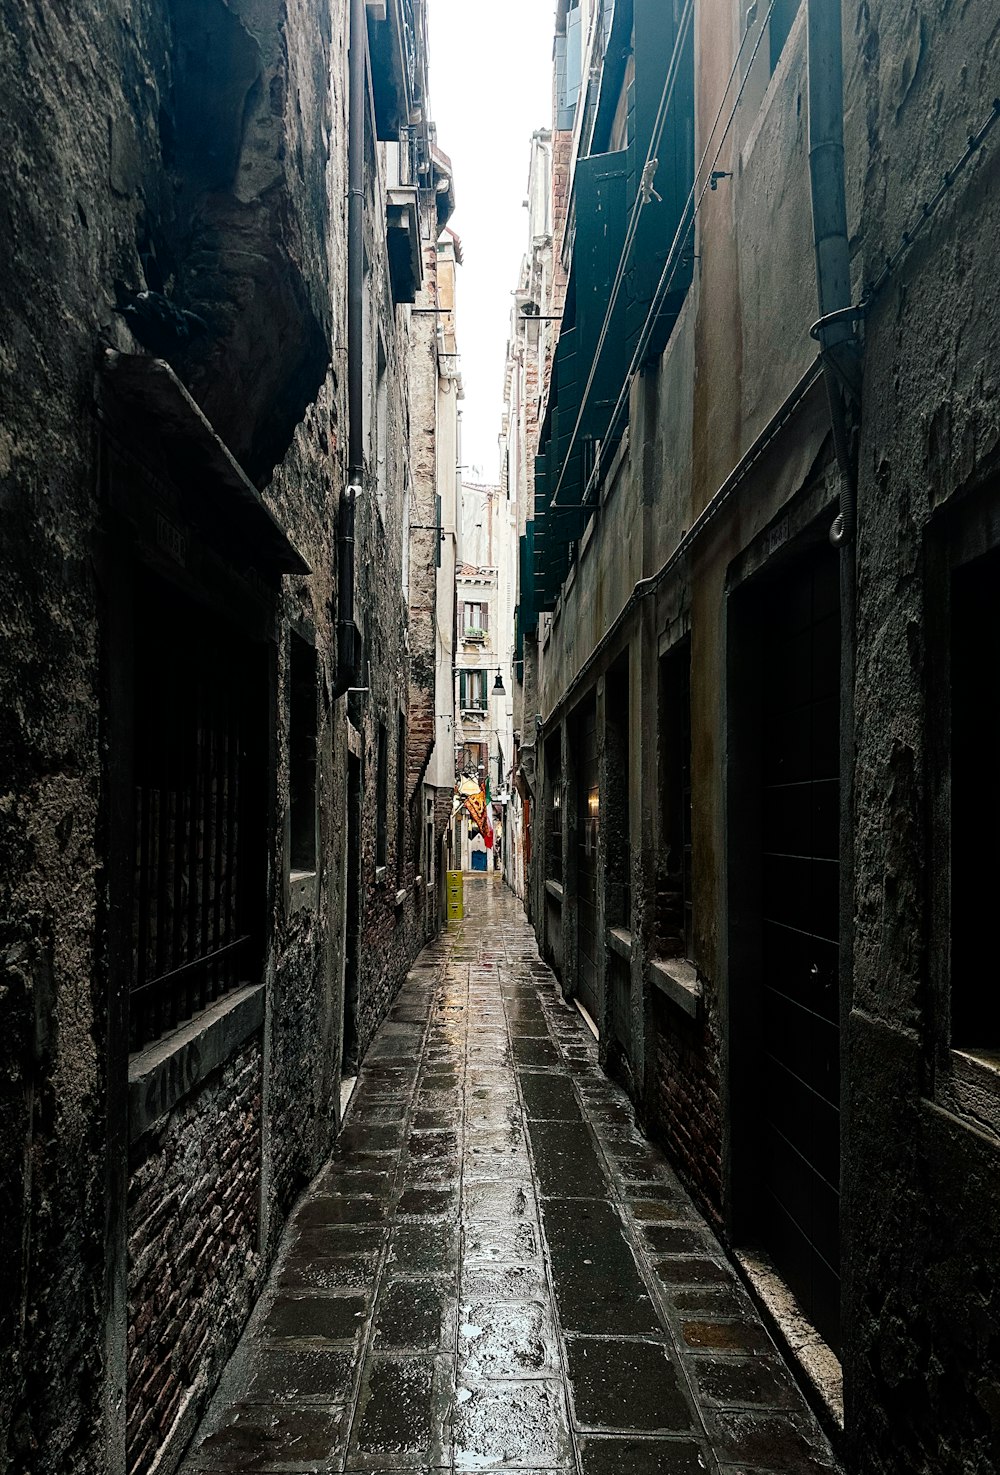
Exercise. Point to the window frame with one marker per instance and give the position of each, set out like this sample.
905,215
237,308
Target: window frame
966,1080
303,753
471,629
381,798
465,699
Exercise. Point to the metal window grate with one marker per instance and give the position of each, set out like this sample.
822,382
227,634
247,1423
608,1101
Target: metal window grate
675,904
198,817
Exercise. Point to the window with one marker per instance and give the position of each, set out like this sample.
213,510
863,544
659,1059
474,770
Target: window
618,901
200,801
381,797
473,691
476,624
302,694
472,757
400,795
406,541
975,801
782,19
554,825
675,913
382,428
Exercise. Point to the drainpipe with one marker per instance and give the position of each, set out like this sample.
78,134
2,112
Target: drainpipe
835,329
347,655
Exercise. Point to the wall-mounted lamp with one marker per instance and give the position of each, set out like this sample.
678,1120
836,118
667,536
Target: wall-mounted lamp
594,803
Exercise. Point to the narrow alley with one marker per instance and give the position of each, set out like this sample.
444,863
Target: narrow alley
500,552
497,1271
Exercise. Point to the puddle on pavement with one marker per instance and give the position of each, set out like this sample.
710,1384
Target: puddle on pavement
511,1424
503,1339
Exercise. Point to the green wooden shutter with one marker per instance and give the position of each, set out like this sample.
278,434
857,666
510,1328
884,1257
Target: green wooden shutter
656,32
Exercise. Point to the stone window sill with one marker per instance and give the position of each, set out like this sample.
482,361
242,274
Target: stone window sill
380,875
554,889
402,896
975,1087
165,1072
678,980
303,890
620,942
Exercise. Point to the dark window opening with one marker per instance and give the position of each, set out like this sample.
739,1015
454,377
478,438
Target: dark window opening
554,816
200,805
975,801
302,753
617,820
400,796
381,797
675,893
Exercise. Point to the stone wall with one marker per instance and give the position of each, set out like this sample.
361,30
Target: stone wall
107,187
922,1176
194,1266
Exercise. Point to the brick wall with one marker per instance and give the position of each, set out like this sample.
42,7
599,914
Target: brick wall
193,1266
685,1112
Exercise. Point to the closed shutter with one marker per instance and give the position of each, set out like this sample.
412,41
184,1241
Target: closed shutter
656,34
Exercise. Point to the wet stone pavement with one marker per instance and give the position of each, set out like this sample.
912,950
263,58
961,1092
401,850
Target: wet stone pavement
498,1272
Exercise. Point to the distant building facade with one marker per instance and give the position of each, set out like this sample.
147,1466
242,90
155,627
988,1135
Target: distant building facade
221,680
484,727
757,589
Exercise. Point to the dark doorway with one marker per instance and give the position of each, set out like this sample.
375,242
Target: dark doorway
587,832
353,925
785,860
618,850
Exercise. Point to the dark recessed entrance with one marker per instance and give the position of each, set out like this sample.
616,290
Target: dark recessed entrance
785,867
587,827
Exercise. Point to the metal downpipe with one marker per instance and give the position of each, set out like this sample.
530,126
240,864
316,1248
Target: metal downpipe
835,329
347,655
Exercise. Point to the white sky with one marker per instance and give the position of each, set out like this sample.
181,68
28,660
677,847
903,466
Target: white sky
491,85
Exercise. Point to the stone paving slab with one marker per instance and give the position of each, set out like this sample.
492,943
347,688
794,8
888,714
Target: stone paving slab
497,1271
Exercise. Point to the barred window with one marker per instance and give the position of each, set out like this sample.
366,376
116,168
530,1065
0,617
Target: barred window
200,746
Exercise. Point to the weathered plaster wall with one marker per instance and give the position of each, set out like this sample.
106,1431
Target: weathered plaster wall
740,345
921,1189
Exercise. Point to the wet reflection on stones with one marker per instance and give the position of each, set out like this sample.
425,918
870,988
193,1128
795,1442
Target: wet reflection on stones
498,1271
